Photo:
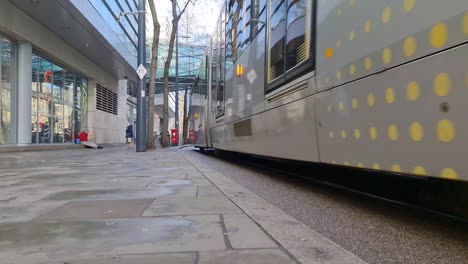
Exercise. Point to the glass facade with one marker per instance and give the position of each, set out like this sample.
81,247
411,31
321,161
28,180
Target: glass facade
57,102
7,91
127,27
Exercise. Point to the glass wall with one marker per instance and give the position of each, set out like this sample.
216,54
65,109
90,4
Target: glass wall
7,91
57,102
125,28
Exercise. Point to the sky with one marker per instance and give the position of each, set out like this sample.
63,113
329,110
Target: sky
205,12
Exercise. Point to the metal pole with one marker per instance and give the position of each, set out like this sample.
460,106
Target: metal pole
177,86
141,85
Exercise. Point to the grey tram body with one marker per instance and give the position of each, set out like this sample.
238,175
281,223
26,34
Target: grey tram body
388,90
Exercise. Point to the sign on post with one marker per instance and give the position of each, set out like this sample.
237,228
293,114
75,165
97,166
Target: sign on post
141,71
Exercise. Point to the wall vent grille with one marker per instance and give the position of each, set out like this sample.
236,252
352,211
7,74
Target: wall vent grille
106,100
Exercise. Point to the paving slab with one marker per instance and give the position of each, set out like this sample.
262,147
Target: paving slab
98,209
191,206
163,258
255,256
41,241
208,190
164,182
307,245
244,233
119,194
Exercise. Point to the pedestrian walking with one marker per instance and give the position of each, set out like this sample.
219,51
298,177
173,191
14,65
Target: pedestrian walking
129,135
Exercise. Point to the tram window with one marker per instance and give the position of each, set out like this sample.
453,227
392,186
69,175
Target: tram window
222,61
298,45
290,42
276,43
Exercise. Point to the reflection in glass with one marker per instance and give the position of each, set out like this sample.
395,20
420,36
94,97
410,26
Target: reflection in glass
34,99
276,43
7,66
68,107
298,34
57,102
59,97
45,100
80,104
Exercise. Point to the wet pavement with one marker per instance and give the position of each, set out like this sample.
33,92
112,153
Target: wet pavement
118,206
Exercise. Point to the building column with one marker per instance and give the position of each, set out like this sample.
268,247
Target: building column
24,92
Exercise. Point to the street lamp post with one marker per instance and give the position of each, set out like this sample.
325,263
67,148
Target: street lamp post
141,86
177,87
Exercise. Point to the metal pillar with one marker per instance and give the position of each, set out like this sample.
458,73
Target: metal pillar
24,95
177,86
141,85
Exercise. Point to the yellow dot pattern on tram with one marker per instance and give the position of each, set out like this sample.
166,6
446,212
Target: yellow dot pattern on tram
396,168
338,75
439,35
390,95
355,103
416,132
339,12
409,46
386,15
367,26
445,131
393,132
450,174
465,23
373,133
387,56
466,80
442,84
413,91
419,170
352,69
370,100
408,5
357,134
368,63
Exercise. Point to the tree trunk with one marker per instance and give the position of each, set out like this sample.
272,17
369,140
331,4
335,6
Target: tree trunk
152,84
167,65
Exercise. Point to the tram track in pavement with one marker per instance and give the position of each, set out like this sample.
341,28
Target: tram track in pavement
430,195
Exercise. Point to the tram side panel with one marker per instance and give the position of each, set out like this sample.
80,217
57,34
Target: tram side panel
360,38
394,86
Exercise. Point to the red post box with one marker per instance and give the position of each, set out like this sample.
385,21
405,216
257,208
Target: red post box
174,137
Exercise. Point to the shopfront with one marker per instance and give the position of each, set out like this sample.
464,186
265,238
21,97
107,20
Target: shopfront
59,102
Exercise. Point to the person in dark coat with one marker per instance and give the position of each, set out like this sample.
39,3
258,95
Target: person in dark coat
129,135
